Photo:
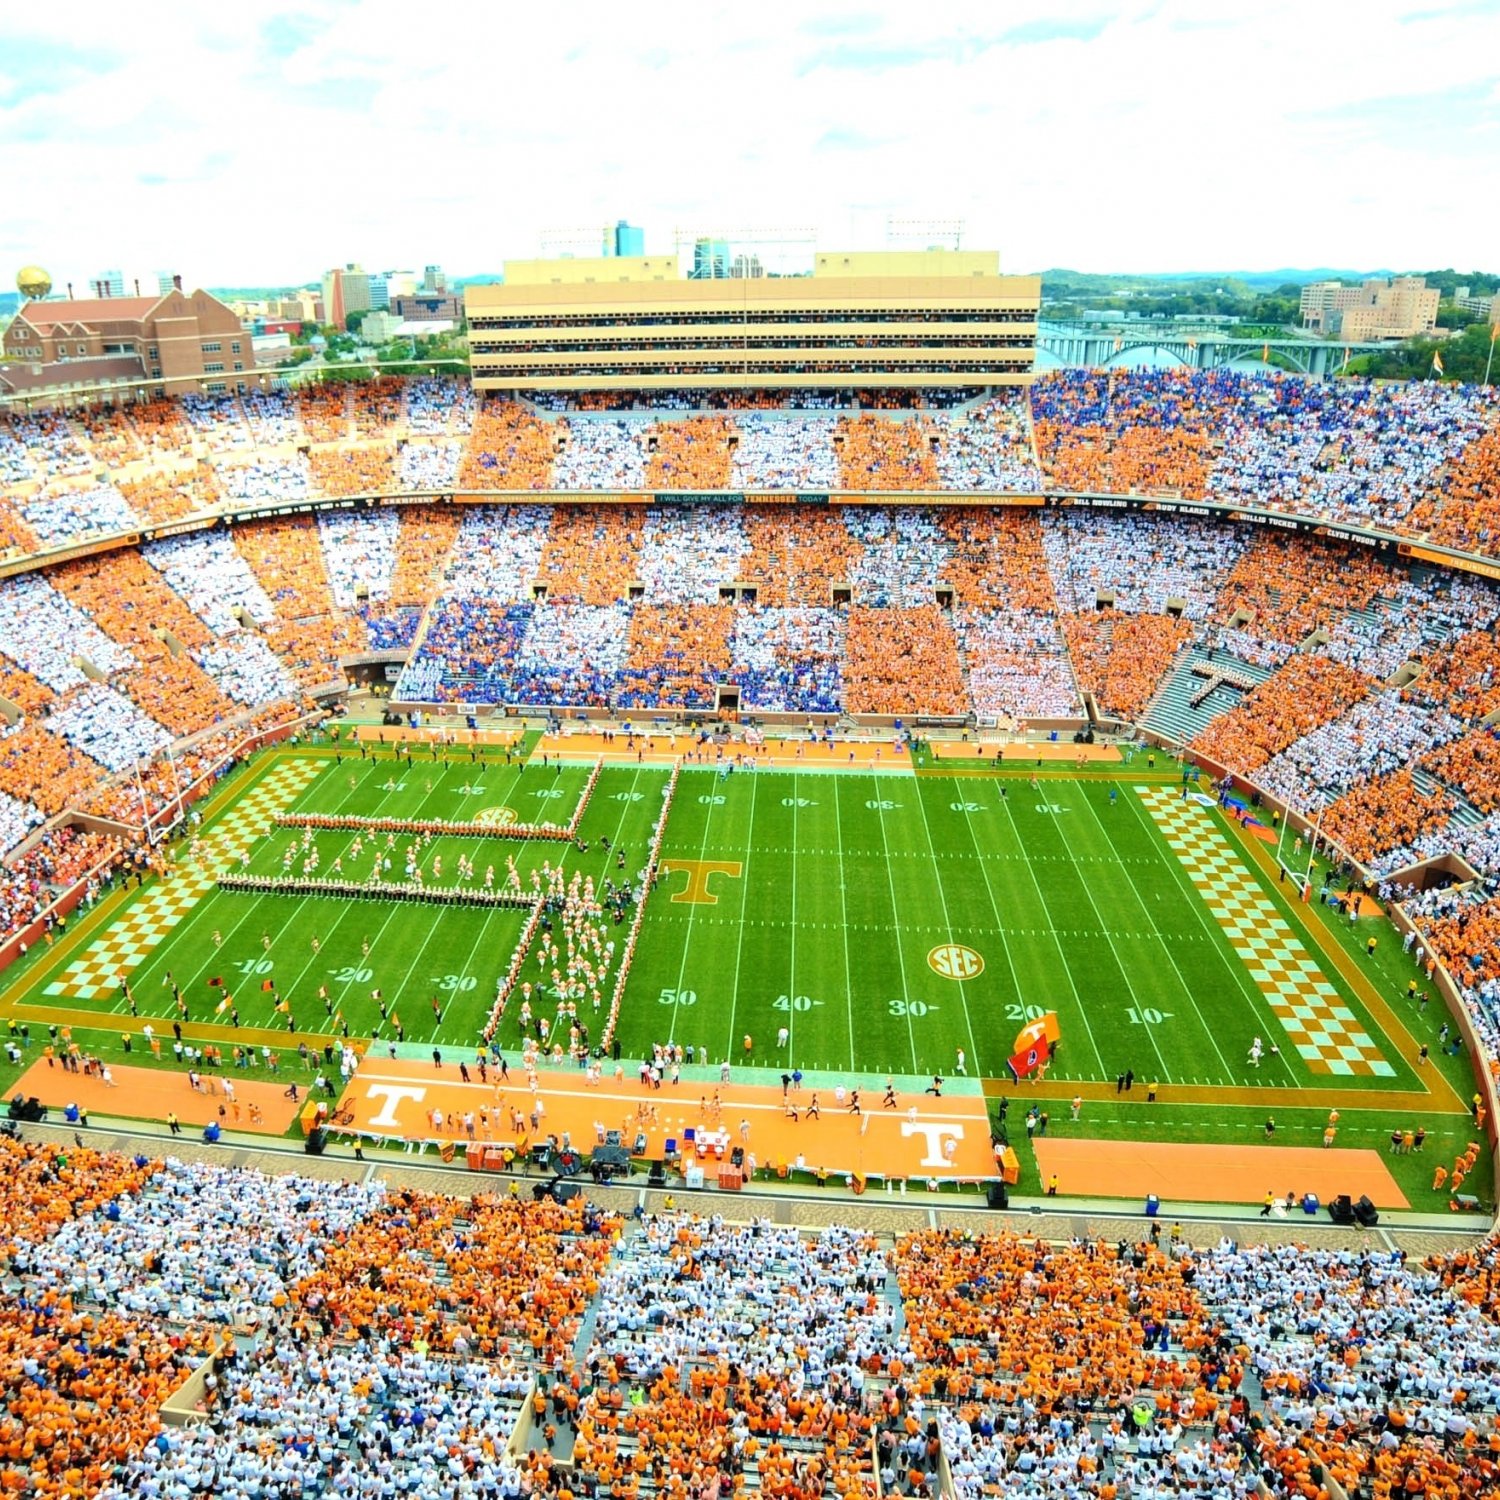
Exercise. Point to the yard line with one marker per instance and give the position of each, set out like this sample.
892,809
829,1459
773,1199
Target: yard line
838,838
349,905
1062,951
791,989
1196,906
739,946
999,927
1109,937
943,901
221,825
896,917
687,940
1213,935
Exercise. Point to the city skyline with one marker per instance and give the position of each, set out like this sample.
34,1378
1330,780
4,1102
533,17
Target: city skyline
1152,138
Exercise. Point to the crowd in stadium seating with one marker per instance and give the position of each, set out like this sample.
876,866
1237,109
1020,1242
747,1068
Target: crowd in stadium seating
789,660
775,453
169,494
438,403
60,514
1121,658
107,727
352,471
359,550
401,1334
212,578
267,479
17,819
1145,562
1376,735
45,634
1309,691
1018,665
247,670
1350,449
601,453
429,466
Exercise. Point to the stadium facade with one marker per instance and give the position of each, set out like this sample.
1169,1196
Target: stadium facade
906,321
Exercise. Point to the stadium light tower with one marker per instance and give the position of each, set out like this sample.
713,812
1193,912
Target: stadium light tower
576,243
924,234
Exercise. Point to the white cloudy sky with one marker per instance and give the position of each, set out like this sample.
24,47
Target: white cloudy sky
252,142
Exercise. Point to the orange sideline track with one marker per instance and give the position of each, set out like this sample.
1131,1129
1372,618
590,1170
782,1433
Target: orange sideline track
789,755
154,1093
391,734
1023,752
1212,1174
396,1099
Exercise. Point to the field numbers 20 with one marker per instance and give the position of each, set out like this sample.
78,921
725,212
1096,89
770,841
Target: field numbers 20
677,997
350,976
1022,1012
966,807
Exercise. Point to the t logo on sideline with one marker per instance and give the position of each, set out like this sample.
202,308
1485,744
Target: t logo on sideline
954,961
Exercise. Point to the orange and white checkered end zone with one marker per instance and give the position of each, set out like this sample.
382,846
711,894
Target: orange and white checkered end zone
946,1138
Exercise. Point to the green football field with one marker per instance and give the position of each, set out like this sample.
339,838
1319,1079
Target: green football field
885,921
889,921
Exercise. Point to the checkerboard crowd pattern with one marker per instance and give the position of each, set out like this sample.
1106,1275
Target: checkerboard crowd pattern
95,973
1320,1026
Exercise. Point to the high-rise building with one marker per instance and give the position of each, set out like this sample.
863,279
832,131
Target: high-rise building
629,239
1376,309
434,282
380,291
109,284
345,290
710,260
165,281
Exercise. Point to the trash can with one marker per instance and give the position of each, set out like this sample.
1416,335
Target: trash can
1153,1203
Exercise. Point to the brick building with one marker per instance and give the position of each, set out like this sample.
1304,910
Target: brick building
170,343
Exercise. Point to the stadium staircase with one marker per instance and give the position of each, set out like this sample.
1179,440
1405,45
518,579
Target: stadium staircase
1465,814
1172,711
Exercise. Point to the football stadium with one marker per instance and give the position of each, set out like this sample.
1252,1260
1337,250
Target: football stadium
750,893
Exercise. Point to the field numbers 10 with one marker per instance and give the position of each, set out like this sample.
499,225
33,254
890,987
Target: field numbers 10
1150,1016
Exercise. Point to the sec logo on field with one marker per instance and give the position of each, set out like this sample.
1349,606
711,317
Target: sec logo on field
954,961
495,817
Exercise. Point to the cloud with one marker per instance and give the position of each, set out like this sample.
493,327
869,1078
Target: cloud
260,144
